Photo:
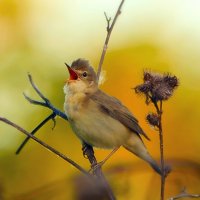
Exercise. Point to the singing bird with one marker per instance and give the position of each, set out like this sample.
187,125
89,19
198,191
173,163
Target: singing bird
99,119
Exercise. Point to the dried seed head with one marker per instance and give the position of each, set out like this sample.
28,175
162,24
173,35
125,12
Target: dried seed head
147,76
157,87
143,88
172,81
161,92
153,119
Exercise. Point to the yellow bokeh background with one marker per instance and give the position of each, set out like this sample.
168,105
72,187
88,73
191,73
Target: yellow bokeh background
37,37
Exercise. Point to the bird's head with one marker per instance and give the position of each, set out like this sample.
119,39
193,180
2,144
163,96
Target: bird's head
82,75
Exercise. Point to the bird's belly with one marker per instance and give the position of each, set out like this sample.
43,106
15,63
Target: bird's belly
98,129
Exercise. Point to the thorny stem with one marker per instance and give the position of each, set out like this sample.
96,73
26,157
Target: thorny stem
109,31
46,146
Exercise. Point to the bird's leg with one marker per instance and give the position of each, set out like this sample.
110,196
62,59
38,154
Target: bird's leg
87,150
88,153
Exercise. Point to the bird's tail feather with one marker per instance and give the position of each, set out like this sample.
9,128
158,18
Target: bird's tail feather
136,146
155,166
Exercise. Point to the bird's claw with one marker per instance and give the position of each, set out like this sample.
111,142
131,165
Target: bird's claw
87,150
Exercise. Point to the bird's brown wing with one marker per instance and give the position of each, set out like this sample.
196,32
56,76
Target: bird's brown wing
114,108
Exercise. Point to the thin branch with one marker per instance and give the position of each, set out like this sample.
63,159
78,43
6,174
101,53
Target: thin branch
163,173
109,31
46,146
184,194
46,102
108,19
109,156
161,153
105,159
52,116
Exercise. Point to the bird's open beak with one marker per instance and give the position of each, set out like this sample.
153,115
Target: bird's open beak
72,73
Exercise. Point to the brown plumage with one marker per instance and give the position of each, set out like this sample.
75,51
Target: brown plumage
114,108
98,119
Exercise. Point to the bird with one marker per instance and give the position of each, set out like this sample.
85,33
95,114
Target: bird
98,119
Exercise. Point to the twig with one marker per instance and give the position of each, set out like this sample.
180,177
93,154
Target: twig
97,168
184,194
52,116
106,158
46,102
161,152
108,21
109,31
46,146
109,155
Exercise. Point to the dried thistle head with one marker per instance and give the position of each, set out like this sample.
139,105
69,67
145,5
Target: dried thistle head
153,119
157,87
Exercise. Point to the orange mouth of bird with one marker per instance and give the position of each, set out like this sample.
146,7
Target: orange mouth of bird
72,73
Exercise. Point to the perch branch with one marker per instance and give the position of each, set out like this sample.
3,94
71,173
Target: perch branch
109,31
46,146
96,169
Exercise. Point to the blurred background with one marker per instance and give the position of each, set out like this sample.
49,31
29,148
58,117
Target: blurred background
39,36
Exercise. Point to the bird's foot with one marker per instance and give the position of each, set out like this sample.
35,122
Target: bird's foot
87,150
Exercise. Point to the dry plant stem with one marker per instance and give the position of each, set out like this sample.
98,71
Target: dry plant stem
46,146
109,31
109,155
184,194
100,164
163,176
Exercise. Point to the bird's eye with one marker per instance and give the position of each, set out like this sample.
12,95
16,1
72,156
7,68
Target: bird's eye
84,74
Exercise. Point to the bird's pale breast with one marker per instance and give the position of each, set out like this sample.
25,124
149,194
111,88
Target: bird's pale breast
93,126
